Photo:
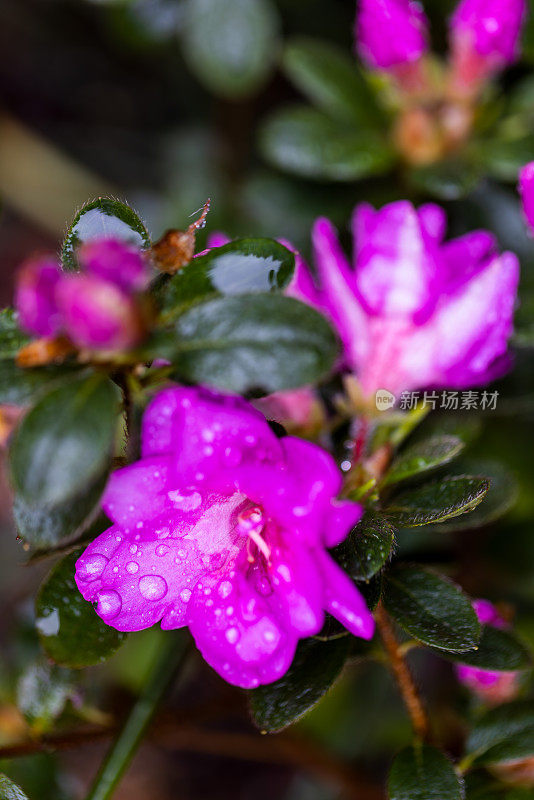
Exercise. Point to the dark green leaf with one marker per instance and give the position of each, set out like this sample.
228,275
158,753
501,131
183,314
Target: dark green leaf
10,790
64,443
331,79
447,180
267,342
422,772
498,650
424,457
42,692
22,386
309,143
502,494
46,526
240,267
504,158
103,218
12,338
503,734
69,629
431,608
367,548
437,501
314,669
231,47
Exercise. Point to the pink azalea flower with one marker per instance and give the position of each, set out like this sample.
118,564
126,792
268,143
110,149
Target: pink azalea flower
485,37
223,527
492,687
390,33
414,311
526,190
95,308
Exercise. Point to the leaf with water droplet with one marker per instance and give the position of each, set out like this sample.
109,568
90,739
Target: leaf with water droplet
498,650
431,608
10,790
70,631
240,267
103,218
367,547
315,667
423,457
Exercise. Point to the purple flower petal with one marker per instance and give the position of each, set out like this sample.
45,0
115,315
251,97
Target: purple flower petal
116,262
35,298
390,32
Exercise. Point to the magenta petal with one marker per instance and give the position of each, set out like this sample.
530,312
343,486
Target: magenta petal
526,190
97,314
344,601
238,632
492,27
342,516
116,262
296,577
390,32
137,492
35,297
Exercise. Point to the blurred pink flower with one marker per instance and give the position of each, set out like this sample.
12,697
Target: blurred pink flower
223,527
390,33
415,311
95,308
526,191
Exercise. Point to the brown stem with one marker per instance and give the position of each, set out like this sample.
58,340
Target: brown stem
402,674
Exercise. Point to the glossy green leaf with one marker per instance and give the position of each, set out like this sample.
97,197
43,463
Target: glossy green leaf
10,790
503,158
231,47
22,386
12,338
47,526
64,443
261,342
103,218
431,608
42,693
423,457
367,548
422,772
498,651
70,631
503,734
240,267
309,143
330,77
437,501
314,669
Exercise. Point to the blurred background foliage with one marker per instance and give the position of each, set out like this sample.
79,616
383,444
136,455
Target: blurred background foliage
166,103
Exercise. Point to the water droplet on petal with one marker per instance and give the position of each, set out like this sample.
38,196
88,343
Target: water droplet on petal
185,595
133,549
153,587
185,501
162,550
132,567
109,603
92,567
232,635
225,588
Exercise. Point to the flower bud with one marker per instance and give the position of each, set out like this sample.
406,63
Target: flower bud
526,190
390,33
116,262
484,39
97,314
35,297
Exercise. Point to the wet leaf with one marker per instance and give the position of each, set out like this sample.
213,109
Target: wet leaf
103,218
71,632
431,608
437,501
498,651
314,669
64,443
10,790
503,734
423,457
367,548
42,693
12,338
22,386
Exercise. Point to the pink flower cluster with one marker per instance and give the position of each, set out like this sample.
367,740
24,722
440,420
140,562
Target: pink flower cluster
491,687
484,35
413,310
96,308
224,527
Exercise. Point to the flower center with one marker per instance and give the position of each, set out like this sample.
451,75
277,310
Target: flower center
251,523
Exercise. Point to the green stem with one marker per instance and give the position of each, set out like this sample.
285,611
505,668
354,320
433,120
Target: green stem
168,660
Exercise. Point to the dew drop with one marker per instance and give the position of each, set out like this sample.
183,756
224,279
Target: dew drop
109,603
224,589
185,501
132,567
185,595
153,587
133,549
92,567
232,635
162,550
